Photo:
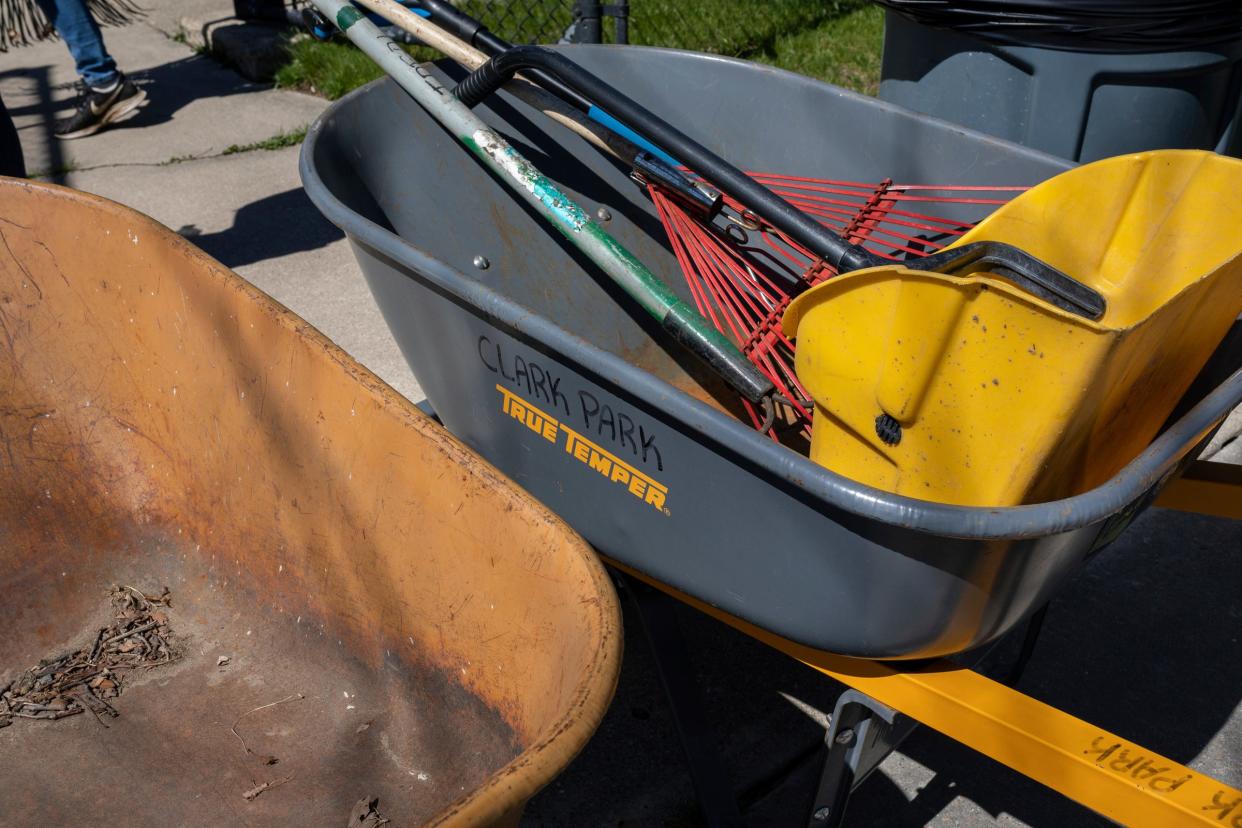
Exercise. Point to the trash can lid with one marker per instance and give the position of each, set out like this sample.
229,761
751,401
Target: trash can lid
1085,25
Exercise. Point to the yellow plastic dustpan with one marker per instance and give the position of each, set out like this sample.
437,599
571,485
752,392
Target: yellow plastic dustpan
968,390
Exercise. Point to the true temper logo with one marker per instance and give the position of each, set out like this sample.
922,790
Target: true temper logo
595,457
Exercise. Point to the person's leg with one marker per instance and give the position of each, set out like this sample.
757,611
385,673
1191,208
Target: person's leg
107,96
81,34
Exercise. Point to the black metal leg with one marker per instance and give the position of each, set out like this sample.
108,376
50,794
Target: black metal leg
712,785
836,782
863,732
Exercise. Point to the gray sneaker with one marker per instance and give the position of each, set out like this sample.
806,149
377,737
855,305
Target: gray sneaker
96,108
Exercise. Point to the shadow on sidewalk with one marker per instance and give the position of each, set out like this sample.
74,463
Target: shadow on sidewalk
1142,643
170,87
41,78
274,226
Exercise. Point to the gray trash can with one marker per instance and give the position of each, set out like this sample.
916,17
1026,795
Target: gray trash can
1070,88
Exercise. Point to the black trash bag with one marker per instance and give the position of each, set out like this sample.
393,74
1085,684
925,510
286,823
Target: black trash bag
1084,25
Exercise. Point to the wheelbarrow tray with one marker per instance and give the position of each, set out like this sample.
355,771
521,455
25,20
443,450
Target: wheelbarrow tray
527,353
440,640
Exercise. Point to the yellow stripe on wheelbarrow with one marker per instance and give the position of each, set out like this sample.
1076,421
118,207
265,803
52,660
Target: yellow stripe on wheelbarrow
967,390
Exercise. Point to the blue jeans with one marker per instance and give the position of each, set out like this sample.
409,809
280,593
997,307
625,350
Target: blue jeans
81,34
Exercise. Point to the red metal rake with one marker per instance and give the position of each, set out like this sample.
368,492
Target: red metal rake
743,273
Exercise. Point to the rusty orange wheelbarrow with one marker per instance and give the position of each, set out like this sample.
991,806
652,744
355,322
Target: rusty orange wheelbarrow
362,609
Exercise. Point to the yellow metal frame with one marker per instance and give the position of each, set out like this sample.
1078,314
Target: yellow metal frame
1206,488
1108,774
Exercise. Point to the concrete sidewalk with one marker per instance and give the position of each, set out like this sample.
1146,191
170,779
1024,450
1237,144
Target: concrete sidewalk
187,160
1144,642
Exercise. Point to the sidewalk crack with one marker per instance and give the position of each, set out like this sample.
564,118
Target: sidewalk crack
280,140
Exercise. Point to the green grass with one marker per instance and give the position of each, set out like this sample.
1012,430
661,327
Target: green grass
63,169
727,27
178,159
277,141
332,69
834,40
844,50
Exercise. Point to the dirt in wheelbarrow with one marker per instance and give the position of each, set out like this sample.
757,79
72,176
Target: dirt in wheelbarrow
84,679
257,718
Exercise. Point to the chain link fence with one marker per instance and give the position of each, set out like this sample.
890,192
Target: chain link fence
525,21
728,27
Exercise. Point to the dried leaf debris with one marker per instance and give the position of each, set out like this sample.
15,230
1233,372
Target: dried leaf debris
264,786
85,679
366,814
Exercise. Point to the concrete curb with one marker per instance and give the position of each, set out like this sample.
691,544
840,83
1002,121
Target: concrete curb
256,49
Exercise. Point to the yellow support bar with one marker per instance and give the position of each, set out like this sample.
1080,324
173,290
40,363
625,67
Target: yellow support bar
1108,774
1206,488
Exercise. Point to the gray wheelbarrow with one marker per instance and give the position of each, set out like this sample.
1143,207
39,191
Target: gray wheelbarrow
533,360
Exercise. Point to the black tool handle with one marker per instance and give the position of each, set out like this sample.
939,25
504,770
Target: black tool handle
836,251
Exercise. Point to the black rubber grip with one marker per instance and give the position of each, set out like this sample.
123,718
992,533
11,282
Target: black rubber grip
479,84
464,27
720,355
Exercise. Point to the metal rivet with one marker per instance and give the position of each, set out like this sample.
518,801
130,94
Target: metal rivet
845,737
821,814
481,262
603,215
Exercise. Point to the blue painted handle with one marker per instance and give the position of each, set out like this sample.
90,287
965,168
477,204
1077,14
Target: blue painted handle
599,116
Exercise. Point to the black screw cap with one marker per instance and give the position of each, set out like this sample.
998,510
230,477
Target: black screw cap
888,430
